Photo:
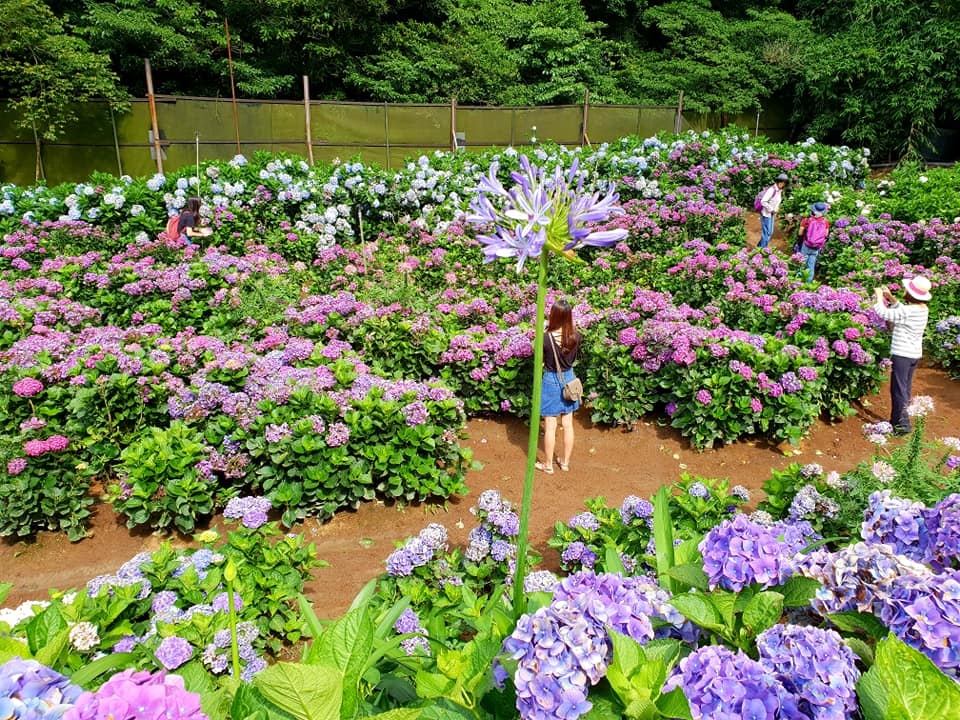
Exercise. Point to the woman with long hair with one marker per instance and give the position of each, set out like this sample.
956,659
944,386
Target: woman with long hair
561,344
189,223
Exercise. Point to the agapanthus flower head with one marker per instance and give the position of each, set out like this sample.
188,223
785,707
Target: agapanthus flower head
140,695
540,211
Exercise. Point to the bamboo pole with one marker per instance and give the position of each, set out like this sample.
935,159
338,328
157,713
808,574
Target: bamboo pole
38,173
233,89
306,115
678,120
116,140
386,132
453,124
584,137
153,117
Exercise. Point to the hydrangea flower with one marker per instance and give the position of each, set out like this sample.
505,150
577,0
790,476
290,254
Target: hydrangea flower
563,648
815,666
409,622
897,522
83,636
27,387
739,552
31,690
634,507
173,652
130,695
719,683
251,511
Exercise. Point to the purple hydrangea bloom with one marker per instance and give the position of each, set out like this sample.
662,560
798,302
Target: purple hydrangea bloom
896,522
719,683
815,666
31,690
634,507
251,511
173,652
924,612
585,520
409,622
739,552
564,648
943,539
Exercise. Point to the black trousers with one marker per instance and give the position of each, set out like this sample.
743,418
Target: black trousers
901,380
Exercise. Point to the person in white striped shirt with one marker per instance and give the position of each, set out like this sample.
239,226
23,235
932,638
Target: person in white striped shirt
909,321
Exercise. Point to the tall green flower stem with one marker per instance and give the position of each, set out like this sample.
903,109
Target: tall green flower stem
230,574
519,600
540,214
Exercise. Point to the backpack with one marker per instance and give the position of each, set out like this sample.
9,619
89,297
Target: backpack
758,200
816,233
173,228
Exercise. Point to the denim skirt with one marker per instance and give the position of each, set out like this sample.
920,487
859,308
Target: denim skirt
552,403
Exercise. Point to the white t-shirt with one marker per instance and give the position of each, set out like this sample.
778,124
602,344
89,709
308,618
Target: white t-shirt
909,321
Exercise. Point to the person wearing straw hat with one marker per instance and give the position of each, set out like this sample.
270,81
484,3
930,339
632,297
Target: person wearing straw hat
909,319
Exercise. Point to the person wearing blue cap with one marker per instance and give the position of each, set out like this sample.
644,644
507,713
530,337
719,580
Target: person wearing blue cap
813,236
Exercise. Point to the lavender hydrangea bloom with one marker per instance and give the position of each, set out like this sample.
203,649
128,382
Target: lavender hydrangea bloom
409,622
924,612
943,539
719,683
896,522
634,507
577,553
564,648
585,520
856,577
540,581
251,511
739,552
173,652
31,690
815,666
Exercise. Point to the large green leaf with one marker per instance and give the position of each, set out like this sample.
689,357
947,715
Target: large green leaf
10,648
763,611
698,609
663,537
308,692
904,684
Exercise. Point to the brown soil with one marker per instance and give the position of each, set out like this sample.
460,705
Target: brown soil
606,461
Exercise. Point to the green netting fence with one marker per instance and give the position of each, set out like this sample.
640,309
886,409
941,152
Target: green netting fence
381,133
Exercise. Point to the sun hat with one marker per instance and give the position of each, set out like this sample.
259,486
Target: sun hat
918,288
818,208
782,177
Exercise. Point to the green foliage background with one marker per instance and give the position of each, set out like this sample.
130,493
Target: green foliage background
877,73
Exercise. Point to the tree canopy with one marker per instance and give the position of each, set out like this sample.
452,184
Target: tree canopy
873,72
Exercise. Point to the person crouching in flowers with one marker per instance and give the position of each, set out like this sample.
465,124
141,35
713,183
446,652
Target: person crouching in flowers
565,339
906,346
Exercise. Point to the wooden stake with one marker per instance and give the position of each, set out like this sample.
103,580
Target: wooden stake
151,101
233,89
116,140
453,124
677,122
306,114
584,138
